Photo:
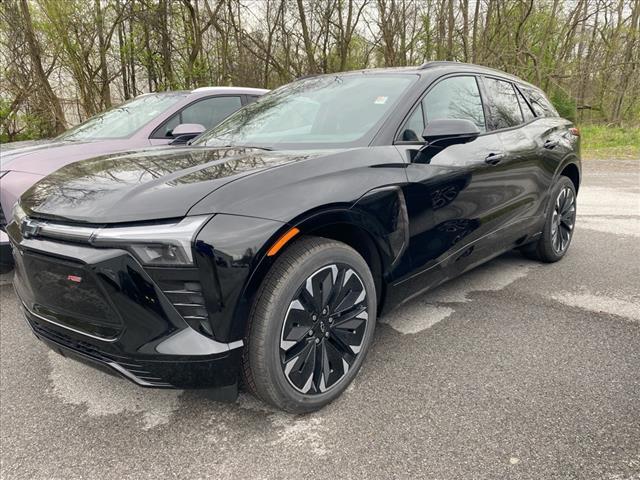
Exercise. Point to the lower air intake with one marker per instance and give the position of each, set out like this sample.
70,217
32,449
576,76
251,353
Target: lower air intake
188,300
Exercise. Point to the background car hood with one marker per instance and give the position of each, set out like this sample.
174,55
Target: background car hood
21,145
144,185
44,157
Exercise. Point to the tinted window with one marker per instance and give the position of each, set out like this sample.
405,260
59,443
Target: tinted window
541,106
413,128
526,110
455,97
323,111
503,104
208,113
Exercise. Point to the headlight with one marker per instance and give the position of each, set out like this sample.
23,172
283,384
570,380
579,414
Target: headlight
161,244
158,244
18,213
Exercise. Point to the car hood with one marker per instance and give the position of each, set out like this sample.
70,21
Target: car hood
20,145
44,157
145,185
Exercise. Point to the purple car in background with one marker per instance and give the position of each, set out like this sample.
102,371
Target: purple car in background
151,119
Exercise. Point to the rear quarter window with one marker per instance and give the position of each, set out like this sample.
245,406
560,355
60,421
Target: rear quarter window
539,102
527,113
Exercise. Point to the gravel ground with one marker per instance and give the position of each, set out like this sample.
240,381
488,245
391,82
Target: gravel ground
516,370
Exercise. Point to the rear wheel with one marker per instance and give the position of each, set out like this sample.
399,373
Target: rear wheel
558,228
311,325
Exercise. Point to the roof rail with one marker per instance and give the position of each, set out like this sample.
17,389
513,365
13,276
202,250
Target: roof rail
203,89
438,63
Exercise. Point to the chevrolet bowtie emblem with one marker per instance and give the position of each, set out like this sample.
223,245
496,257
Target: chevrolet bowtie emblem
29,228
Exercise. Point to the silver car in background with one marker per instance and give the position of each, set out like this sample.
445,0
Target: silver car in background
151,119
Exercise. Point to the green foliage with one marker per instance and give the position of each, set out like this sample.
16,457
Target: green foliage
584,54
565,105
604,141
22,126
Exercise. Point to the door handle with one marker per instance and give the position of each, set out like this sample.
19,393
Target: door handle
550,144
494,158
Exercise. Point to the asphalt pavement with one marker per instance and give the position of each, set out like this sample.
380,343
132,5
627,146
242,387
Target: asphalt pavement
516,370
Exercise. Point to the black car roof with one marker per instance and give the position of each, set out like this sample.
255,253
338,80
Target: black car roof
446,66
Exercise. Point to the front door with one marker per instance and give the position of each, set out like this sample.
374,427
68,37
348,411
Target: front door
456,197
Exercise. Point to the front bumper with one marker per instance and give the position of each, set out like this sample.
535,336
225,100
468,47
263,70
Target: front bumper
101,307
215,371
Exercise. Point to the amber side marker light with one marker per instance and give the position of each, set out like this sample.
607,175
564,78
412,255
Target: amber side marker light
282,241
574,131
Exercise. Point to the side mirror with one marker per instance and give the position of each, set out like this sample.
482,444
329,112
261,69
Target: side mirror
442,133
185,132
450,131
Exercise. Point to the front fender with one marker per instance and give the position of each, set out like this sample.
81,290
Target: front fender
231,250
228,251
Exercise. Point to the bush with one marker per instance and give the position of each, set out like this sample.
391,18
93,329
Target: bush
564,104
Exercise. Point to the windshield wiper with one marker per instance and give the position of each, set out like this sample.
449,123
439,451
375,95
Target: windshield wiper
247,146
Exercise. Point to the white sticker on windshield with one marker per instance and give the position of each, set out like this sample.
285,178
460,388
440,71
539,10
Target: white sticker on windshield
380,100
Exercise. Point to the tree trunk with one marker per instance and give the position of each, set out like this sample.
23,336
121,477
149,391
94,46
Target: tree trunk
165,41
105,89
59,122
308,45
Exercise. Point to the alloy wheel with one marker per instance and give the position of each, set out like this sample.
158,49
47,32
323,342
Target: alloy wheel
324,328
563,221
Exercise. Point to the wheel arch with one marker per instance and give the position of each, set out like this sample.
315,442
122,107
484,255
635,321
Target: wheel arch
356,236
570,167
571,171
379,235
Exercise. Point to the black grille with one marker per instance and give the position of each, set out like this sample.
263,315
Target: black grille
67,293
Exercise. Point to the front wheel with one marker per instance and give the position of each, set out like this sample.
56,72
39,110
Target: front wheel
558,228
311,325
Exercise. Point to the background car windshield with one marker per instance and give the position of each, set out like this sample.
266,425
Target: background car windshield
321,111
123,121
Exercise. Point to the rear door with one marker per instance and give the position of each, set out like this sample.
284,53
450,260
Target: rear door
519,173
455,197
549,132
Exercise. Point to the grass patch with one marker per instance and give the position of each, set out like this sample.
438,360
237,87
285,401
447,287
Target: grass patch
603,142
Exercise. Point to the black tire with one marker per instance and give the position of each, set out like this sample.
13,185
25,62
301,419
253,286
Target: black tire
265,357
548,248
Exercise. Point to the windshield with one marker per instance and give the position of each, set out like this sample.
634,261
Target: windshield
326,111
123,121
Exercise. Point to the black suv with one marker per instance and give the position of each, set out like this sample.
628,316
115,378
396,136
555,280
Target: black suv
266,250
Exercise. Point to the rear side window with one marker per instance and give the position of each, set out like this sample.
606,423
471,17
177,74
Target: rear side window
503,104
208,113
540,104
454,97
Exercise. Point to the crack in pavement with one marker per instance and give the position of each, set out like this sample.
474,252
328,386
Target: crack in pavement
439,304
102,394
